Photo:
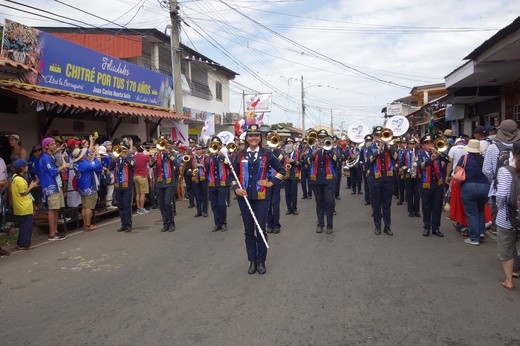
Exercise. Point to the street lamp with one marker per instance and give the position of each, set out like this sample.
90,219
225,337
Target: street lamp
303,101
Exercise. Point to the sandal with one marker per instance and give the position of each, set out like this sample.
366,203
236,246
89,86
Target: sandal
89,228
506,286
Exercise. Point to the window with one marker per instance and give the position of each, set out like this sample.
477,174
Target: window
218,91
516,112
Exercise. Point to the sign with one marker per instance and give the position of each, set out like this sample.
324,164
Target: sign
258,102
394,109
64,65
455,112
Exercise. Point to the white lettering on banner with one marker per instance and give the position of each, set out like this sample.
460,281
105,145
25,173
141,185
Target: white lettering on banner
108,64
140,98
74,86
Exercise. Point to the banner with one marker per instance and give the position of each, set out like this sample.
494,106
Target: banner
64,65
258,102
180,132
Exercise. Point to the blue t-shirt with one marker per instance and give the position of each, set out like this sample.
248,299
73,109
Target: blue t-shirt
473,170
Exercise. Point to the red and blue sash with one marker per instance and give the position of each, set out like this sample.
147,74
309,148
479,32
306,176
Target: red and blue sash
328,166
121,169
261,175
426,174
222,173
164,169
389,166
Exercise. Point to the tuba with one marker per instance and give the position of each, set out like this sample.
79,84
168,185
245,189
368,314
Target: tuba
312,138
273,139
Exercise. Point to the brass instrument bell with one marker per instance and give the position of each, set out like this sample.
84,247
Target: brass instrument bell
231,147
273,139
117,150
312,138
387,135
162,144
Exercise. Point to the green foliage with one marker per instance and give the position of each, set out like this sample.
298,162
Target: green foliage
281,126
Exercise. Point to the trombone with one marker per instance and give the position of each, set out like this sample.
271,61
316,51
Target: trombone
117,151
440,145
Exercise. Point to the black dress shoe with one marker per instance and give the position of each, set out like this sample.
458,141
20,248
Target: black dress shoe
261,268
204,214
329,231
252,268
417,215
216,228
399,203
388,231
276,230
426,232
128,229
165,228
269,230
438,234
319,229
377,231
288,212
304,197
171,228
367,203
338,198
223,228
360,193
353,193
122,229
295,212
309,197
410,215
197,215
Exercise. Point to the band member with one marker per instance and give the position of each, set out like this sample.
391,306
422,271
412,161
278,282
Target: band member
273,197
188,174
199,183
356,172
400,188
432,191
341,155
322,163
304,170
382,160
364,165
251,166
218,176
123,166
165,169
291,162
412,183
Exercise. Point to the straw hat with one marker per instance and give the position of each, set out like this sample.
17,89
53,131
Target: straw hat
473,146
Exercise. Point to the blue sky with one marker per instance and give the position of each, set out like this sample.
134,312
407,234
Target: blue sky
355,56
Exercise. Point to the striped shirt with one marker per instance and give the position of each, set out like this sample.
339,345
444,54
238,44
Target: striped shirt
490,165
504,180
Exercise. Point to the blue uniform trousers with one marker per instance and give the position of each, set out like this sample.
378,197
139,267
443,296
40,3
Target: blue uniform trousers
413,195
356,179
432,207
367,187
164,196
189,189
381,192
324,196
337,181
256,249
200,191
124,198
291,194
217,198
273,206
305,177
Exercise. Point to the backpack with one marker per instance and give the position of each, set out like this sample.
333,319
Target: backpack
512,213
504,154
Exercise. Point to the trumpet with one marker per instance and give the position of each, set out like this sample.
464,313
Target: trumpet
215,147
312,138
231,147
287,170
162,144
117,151
328,143
387,135
273,139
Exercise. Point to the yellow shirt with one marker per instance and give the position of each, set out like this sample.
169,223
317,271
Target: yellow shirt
22,205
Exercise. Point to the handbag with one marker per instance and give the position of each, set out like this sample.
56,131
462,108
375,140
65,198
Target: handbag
460,175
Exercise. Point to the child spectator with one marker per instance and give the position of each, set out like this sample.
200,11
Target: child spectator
23,203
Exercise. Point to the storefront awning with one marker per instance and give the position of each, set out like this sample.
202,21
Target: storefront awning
87,103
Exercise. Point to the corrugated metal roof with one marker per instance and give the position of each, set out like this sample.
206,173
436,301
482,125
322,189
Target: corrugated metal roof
4,62
118,46
68,99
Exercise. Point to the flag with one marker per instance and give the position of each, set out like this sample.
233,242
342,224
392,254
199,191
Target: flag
431,124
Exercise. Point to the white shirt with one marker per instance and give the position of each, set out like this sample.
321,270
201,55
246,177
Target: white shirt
256,151
455,153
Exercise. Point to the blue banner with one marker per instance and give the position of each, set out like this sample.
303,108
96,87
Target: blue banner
67,66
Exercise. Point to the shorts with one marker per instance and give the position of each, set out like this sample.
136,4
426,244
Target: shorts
90,201
56,201
141,185
506,241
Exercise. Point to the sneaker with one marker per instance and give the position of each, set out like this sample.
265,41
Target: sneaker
515,275
57,236
4,252
471,242
141,211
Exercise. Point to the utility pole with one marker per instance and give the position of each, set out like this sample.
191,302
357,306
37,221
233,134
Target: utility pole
331,124
176,56
303,107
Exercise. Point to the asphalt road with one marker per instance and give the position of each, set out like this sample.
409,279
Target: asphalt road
191,286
